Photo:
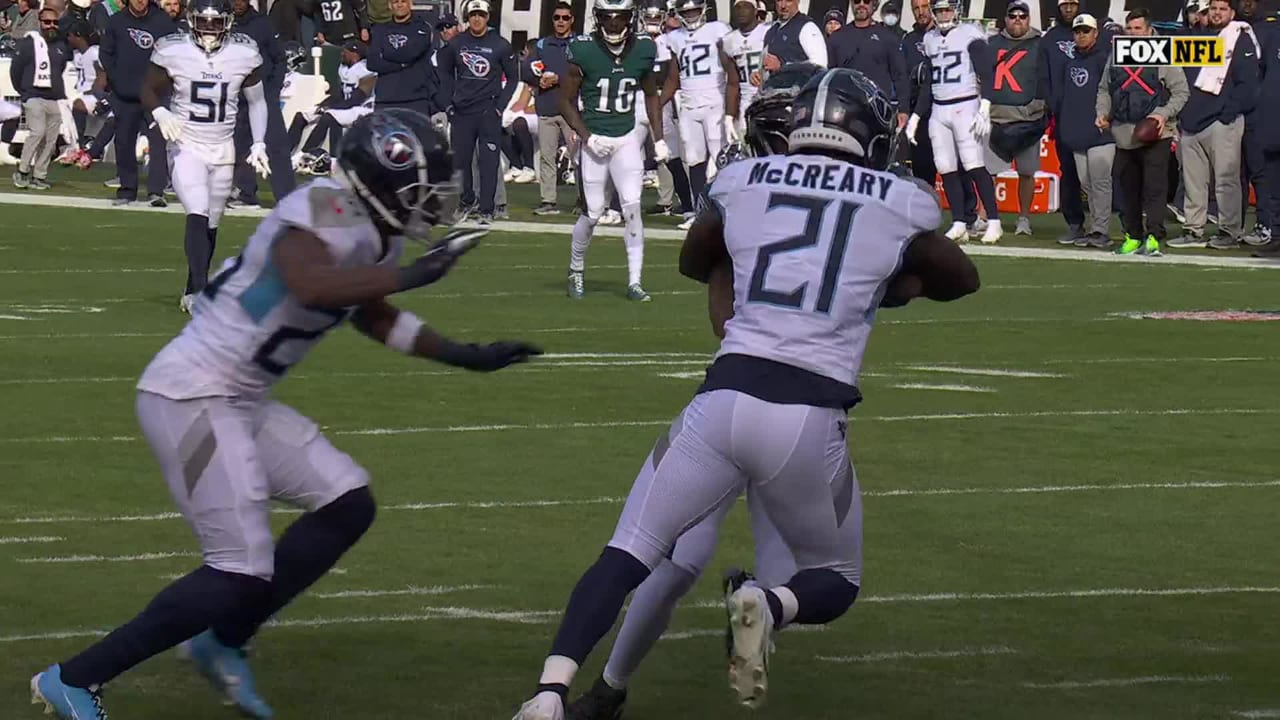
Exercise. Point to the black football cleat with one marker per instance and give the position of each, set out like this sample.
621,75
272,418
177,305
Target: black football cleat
602,702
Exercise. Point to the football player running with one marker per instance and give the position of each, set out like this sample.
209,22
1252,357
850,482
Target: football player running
745,45
647,617
959,94
606,68
706,101
327,253
204,70
809,245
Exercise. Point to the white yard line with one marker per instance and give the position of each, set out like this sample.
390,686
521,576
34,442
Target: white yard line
656,233
1129,682
504,504
509,427
20,540
408,591
990,372
919,655
1066,594
950,388
142,557
719,632
1258,714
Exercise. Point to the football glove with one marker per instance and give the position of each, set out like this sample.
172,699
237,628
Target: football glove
102,108
730,130
169,124
600,145
258,159
487,358
913,125
982,121
661,153
435,263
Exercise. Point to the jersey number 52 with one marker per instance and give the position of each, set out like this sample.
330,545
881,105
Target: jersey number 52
945,68
814,211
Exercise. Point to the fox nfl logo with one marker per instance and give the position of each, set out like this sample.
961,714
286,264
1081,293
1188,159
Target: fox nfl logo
1129,51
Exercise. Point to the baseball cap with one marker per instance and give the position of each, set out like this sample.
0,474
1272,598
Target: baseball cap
833,14
1064,2
354,46
1084,20
446,21
1019,5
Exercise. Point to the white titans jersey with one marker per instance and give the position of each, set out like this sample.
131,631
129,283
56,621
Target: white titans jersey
662,55
87,65
350,77
814,242
747,52
247,329
702,77
288,86
953,75
206,88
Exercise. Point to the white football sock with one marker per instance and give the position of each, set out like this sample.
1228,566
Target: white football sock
633,239
582,231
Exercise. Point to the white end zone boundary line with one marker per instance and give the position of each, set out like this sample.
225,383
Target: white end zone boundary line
653,233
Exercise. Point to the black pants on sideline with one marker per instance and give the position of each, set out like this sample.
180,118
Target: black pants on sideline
1253,172
472,133
130,121
1070,202
1142,174
1269,193
278,154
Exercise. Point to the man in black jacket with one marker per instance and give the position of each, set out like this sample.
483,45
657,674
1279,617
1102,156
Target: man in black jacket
340,21
472,66
1268,123
1057,47
258,26
400,53
868,47
795,37
91,11
126,57
37,74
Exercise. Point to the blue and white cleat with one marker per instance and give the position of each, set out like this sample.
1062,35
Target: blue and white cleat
228,671
68,703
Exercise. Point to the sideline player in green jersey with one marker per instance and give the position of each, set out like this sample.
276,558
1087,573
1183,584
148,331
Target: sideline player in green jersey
610,69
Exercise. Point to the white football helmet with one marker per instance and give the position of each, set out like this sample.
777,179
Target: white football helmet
952,10
692,13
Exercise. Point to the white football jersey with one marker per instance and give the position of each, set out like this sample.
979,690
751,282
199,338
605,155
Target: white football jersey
350,77
247,330
814,242
87,65
206,88
702,77
953,75
747,52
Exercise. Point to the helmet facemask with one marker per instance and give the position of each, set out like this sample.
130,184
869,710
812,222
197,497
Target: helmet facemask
615,26
692,17
209,27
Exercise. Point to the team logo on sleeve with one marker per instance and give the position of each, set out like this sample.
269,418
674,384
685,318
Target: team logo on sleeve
1067,47
538,68
142,38
476,63
397,40
1079,76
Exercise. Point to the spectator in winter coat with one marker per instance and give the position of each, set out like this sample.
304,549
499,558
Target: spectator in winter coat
1018,115
1127,95
1057,48
1093,148
1213,129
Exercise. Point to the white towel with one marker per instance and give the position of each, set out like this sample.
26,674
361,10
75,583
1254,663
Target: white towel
1211,79
43,76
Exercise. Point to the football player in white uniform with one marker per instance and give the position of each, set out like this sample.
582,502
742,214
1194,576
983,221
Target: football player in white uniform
328,252
808,245
91,112
959,95
706,100
651,607
203,71
745,44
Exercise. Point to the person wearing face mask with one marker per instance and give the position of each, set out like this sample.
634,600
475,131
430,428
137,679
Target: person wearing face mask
891,17
37,74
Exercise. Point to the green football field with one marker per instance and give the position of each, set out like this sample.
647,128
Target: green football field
1070,512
